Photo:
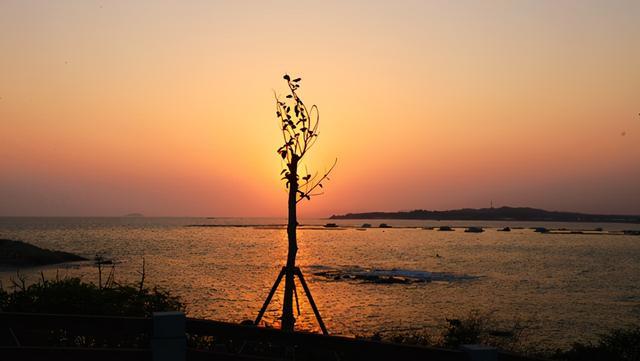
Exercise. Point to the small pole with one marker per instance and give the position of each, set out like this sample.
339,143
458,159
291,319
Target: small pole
169,339
480,352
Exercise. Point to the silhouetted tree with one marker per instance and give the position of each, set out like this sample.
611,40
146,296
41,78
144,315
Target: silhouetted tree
299,126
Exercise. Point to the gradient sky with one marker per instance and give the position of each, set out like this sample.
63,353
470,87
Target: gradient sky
166,107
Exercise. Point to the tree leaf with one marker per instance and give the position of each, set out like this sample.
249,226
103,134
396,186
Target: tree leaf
286,77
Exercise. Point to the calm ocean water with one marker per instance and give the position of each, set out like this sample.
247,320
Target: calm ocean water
564,287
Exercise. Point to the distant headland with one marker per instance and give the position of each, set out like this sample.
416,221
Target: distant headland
21,254
495,214
134,215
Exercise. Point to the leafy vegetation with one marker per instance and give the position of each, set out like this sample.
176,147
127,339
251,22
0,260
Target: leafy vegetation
475,328
71,295
617,345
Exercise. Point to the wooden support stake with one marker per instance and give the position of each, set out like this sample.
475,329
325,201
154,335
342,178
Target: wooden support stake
311,301
295,293
270,296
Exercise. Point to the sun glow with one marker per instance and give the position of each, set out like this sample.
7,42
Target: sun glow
163,109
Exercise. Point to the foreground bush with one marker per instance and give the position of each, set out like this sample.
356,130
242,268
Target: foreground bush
475,328
617,345
73,296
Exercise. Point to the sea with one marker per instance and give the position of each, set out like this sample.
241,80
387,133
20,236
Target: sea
560,287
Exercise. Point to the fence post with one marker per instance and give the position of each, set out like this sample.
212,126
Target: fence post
169,340
480,352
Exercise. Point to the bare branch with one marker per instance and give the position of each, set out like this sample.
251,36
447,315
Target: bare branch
319,182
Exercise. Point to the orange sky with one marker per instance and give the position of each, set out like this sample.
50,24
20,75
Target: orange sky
166,107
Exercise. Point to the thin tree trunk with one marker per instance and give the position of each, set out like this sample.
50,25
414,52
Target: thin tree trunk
288,320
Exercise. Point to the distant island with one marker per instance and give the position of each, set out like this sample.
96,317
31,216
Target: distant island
494,214
134,215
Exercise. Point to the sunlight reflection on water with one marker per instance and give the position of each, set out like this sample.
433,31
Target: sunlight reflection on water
564,286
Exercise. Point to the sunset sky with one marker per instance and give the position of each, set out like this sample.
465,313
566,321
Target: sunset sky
166,107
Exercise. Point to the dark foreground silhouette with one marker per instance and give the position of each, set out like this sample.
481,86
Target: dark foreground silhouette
20,320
